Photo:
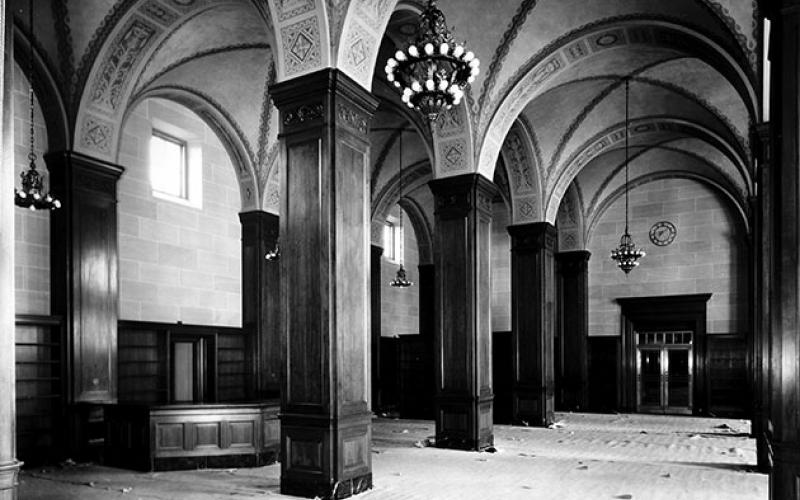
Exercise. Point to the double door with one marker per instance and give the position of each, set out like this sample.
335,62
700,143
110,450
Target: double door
664,372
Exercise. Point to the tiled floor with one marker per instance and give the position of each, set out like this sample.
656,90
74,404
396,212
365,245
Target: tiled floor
584,456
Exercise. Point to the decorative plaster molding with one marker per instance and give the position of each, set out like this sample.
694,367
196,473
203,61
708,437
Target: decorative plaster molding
301,46
352,119
304,113
452,154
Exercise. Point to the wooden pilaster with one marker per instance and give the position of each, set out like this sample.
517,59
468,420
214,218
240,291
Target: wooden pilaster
463,402
573,279
325,276
533,322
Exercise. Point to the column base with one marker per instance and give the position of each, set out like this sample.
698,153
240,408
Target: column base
9,479
325,457
464,423
784,481
532,407
326,490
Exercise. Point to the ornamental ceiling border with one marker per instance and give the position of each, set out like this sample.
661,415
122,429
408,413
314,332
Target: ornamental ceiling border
558,51
605,140
616,82
174,29
730,23
265,124
738,209
570,48
732,186
66,54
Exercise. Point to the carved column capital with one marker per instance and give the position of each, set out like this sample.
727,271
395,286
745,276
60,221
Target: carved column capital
533,237
456,196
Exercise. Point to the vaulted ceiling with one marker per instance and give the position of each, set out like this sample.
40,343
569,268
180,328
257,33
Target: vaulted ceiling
548,104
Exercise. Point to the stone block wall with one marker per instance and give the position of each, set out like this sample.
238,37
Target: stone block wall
501,269
31,228
400,306
178,262
709,255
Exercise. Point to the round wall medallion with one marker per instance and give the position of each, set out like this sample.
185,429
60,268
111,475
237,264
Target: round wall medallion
663,233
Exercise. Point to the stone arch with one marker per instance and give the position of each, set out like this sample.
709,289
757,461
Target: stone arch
570,221
535,76
733,201
218,120
607,139
422,228
523,174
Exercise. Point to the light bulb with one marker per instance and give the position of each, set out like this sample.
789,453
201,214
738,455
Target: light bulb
474,71
469,56
390,77
413,51
474,63
458,50
397,84
416,87
429,85
443,48
471,79
400,56
391,62
429,48
407,91
443,85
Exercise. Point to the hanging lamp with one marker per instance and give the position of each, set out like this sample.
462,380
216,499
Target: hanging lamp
32,194
434,70
626,254
400,280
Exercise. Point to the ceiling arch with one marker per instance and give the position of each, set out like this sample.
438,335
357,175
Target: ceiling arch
557,66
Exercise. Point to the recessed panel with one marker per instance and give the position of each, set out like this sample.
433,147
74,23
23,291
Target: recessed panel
354,451
169,436
206,434
241,433
454,421
305,454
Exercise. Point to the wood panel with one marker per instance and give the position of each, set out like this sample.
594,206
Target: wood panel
83,235
463,340
727,373
604,373
40,389
325,277
261,301
533,296
176,437
573,324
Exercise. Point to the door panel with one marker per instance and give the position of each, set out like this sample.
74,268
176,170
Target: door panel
664,372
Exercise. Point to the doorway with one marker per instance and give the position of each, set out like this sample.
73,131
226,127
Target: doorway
664,370
664,367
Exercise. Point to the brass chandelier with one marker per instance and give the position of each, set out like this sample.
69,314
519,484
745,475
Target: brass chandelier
32,195
434,70
626,254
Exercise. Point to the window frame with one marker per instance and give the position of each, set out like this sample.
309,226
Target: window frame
185,192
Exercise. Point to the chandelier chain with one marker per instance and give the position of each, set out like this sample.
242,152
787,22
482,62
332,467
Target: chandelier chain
627,133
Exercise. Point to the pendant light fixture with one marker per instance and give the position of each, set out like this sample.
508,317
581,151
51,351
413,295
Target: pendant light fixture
400,280
627,255
32,194
434,70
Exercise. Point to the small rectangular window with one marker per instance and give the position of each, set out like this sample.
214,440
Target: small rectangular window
389,240
168,166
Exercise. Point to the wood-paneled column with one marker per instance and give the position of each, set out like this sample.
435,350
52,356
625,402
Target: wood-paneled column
375,324
573,280
9,465
426,280
261,301
325,276
760,345
785,245
84,270
463,402
533,322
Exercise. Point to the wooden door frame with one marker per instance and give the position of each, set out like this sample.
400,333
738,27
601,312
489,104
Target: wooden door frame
669,311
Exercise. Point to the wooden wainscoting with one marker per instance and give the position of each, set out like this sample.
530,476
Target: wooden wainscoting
179,437
727,373
144,361
40,389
